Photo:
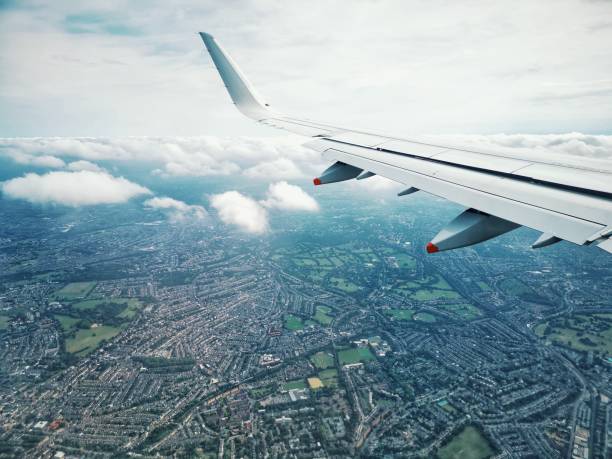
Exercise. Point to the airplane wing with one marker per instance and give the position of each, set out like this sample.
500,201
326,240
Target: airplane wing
565,198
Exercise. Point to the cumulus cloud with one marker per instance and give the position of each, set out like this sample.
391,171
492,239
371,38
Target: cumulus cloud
234,208
283,196
251,216
278,168
40,160
176,210
83,165
72,188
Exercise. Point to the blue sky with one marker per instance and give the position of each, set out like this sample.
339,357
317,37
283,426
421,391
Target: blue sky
118,68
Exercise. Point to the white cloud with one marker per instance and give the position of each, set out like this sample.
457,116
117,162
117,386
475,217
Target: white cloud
38,160
237,209
284,196
177,210
275,169
83,165
272,158
72,188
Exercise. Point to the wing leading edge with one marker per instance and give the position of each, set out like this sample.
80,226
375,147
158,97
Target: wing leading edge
563,197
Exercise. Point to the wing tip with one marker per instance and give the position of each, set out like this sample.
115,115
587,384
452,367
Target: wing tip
206,37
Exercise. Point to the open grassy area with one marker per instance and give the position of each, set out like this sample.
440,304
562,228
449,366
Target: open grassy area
75,290
344,284
87,340
315,383
483,286
583,332
425,317
468,444
329,377
293,322
462,310
295,384
4,321
354,355
321,315
322,360
405,261
425,294
132,305
68,323
515,287
400,314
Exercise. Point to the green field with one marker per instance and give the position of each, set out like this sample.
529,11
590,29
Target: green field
354,355
322,360
462,310
4,321
132,305
425,317
344,285
75,290
435,294
583,332
68,323
293,322
329,377
85,341
321,315
468,444
515,287
400,314
483,286
405,261
295,384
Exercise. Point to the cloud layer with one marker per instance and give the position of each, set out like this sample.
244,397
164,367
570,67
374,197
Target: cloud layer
72,188
257,158
262,159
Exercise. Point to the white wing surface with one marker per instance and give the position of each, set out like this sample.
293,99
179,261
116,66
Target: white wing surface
565,198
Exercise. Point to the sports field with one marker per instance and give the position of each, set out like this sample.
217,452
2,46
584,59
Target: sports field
85,341
321,315
293,322
354,355
75,290
322,360
400,314
468,444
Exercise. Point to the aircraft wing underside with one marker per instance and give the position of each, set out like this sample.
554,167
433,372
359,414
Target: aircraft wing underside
565,198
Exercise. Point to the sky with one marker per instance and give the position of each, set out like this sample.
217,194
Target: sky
138,68
89,88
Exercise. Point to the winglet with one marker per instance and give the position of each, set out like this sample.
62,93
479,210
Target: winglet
240,90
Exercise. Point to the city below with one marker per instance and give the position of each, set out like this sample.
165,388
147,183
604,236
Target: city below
126,334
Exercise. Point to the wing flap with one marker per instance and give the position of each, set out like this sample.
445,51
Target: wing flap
438,180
